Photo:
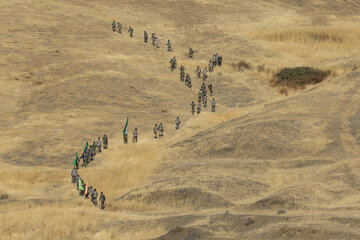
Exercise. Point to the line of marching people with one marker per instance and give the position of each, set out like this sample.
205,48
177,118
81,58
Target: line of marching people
216,60
86,191
90,151
82,186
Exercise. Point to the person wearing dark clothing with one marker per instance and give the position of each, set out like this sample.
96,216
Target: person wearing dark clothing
73,175
105,141
102,200
94,196
145,37
219,60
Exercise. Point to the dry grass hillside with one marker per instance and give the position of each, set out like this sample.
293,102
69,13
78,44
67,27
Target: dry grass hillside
265,166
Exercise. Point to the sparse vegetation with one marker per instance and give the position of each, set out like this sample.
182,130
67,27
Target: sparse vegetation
66,78
241,66
306,36
249,221
297,78
261,68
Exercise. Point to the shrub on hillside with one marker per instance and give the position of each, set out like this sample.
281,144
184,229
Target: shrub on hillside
298,78
241,66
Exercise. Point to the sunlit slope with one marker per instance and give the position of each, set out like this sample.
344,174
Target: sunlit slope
283,140
263,166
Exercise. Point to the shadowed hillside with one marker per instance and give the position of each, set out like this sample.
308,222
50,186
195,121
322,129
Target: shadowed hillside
263,166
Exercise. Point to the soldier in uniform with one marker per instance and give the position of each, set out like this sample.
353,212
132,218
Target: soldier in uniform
219,60
153,38
135,135
77,160
203,87
198,107
86,157
205,100
198,72
94,196
131,31
188,80
77,180
155,130
90,192
145,37
177,121
204,74
169,46
102,200
113,25
213,105
191,53
105,141
173,63
210,89
182,73
157,40
192,107
98,145
73,175
92,151
120,27
213,60
161,130
210,66
125,137
200,94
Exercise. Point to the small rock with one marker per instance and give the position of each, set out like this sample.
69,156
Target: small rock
281,211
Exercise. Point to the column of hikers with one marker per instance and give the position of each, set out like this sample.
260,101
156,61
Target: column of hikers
90,151
216,60
85,191
88,155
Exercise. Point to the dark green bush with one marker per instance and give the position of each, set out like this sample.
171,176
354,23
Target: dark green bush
299,77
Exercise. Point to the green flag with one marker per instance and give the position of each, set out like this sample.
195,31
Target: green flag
81,188
76,157
83,154
126,126
86,145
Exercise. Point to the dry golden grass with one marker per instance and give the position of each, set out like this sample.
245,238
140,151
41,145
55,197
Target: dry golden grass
66,78
330,38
